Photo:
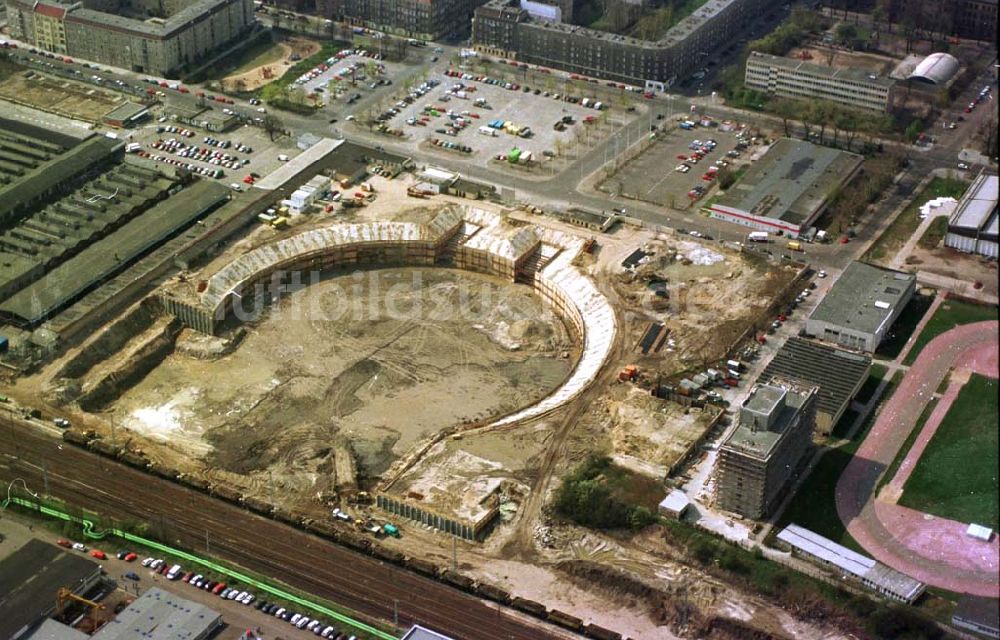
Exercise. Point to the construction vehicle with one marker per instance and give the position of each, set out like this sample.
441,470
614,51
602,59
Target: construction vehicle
629,373
97,613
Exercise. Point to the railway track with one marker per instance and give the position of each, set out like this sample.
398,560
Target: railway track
374,589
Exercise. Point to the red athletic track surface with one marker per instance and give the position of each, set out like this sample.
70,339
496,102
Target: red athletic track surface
272,549
931,549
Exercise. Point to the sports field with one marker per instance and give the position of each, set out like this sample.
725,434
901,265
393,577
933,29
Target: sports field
950,314
956,476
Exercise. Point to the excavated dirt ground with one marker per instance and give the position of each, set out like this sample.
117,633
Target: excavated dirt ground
317,382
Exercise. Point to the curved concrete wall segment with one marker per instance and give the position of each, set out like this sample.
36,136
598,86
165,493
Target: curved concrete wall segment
480,241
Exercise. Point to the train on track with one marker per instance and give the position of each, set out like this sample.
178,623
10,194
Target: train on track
347,537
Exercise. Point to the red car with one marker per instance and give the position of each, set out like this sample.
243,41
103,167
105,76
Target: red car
681,157
130,557
219,588
100,555
63,542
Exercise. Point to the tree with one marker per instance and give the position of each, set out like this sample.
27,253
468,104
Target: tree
913,130
273,126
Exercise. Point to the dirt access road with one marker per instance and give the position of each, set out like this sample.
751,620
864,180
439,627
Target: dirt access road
305,562
934,550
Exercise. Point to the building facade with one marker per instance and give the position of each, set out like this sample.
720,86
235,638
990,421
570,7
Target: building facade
976,19
790,78
859,310
147,37
505,28
423,19
762,455
974,226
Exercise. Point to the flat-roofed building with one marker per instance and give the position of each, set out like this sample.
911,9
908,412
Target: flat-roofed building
147,36
418,632
161,615
854,88
763,453
861,306
851,565
788,189
974,225
30,578
837,373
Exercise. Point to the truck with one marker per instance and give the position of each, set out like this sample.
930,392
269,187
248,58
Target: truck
488,131
794,245
687,125
757,236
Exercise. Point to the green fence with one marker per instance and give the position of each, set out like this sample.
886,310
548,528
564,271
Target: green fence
88,530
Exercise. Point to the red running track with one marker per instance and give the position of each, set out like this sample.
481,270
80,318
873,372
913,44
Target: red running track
931,549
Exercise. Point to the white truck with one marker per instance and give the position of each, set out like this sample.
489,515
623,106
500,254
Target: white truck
757,236
488,131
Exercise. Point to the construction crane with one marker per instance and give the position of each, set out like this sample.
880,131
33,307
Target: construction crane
97,613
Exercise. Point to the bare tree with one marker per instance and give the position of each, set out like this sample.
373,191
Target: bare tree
273,126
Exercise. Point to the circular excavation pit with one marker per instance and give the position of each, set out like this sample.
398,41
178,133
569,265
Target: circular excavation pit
342,376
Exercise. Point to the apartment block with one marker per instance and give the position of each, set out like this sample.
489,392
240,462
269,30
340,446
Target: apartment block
146,36
524,31
791,78
423,19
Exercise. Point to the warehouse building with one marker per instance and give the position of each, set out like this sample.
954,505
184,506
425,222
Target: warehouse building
790,78
537,33
161,615
850,565
788,189
418,632
146,36
973,226
762,455
861,306
30,578
837,374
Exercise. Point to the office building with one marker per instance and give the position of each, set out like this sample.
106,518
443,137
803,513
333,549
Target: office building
763,453
861,306
422,19
974,224
159,37
790,78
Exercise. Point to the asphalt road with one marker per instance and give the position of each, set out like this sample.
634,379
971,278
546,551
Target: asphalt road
326,570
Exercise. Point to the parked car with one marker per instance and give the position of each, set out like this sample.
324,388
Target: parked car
100,555
63,542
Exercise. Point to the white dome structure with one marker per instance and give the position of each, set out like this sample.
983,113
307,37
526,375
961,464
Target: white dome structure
937,68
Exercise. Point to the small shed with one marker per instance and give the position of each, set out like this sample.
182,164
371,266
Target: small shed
674,505
125,115
979,532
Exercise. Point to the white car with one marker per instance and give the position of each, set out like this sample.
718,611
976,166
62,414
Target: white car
963,166
303,622
295,618
78,546
147,562
821,274
248,598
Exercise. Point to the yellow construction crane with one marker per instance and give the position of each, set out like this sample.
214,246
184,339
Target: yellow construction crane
97,613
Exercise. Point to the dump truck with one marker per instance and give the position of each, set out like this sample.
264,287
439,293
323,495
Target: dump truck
628,373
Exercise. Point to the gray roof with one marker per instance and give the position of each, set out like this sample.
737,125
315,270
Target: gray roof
979,610
160,615
937,68
417,632
809,68
126,111
753,441
864,298
852,562
30,578
792,182
835,371
52,630
978,206
73,278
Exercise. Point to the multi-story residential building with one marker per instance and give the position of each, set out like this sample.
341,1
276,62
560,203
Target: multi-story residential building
520,31
763,454
147,36
798,79
424,19
976,19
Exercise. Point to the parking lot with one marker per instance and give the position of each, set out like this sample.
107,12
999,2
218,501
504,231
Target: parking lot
680,168
223,156
342,75
491,118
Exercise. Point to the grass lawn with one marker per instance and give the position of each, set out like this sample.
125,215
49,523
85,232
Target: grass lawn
934,233
902,329
844,424
814,506
867,389
949,315
956,477
906,223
